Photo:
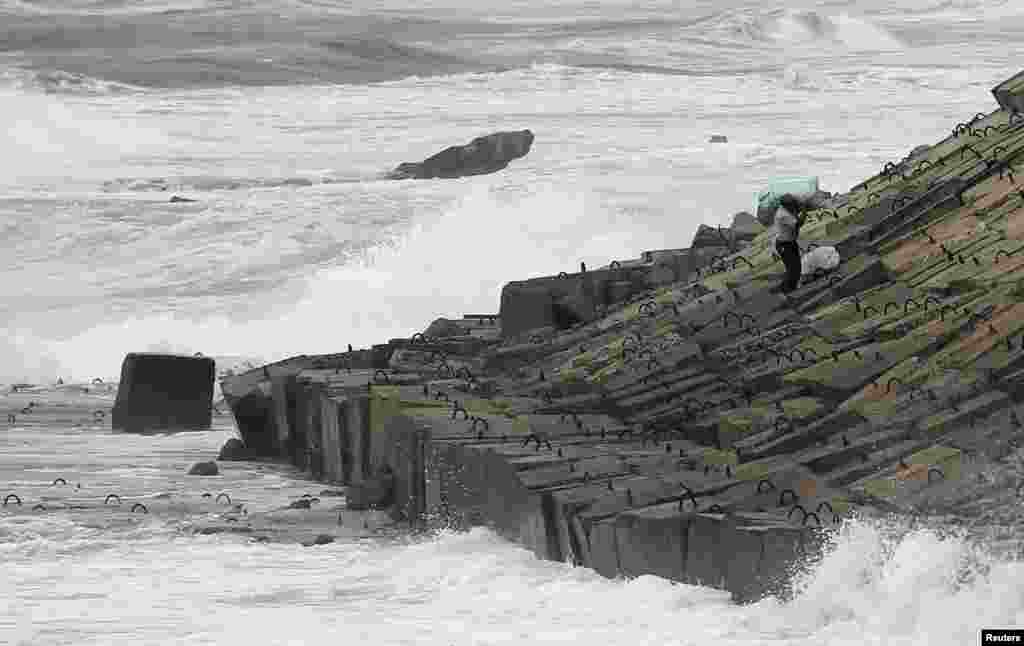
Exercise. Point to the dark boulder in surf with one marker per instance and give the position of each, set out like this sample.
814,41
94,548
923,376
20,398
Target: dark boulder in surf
481,156
204,469
164,391
233,449
320,539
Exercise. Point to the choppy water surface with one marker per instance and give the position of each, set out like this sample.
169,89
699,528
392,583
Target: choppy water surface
279,117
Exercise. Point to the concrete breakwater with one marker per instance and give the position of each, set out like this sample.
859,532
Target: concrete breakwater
671,416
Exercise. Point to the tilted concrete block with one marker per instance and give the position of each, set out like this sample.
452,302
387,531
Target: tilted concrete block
1010,93
160,391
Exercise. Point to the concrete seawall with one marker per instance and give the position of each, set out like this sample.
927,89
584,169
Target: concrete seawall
682,420
568,488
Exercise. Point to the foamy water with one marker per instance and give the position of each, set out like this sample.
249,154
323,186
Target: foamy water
111,107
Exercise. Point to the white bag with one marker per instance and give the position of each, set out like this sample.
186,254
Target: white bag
820,259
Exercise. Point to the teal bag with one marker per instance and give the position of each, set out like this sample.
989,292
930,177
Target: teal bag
768,200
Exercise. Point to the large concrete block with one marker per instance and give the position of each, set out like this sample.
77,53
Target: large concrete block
330,418
171,391
739,553
552,301
563,506
525,307
253,416
404,457
315,437
781,552
1010,93
652,540
704,565
282,429
296,421
358,432
604,549
469,485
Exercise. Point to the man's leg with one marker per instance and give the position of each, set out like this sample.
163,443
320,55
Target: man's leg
792,260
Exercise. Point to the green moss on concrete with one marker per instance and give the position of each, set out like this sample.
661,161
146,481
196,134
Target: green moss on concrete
616,347
571,375
873,409
717,457
605,373
880,488
760,257
829,370
840,505
985,251
946,458
751,471
736,424
582,360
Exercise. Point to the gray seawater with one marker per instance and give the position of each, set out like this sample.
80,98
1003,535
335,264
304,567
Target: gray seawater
112,107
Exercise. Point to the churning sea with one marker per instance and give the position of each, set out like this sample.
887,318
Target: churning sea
279,117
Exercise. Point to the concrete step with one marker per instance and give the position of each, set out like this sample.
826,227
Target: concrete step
805,437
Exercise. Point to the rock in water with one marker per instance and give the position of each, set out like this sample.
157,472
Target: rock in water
204,469
176,199
233,449
481,156
160,391
321,539
719,139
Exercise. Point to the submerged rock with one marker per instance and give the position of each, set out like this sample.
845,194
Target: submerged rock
204,469
481,156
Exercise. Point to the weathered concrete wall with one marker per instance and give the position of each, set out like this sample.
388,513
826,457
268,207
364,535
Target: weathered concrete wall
332,420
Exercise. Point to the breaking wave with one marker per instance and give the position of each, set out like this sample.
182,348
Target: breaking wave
61,82
789,27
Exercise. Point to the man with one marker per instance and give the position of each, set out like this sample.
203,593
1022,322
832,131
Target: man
789,217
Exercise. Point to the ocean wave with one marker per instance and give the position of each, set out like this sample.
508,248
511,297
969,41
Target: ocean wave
205,183
980,7
56,81
791,27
